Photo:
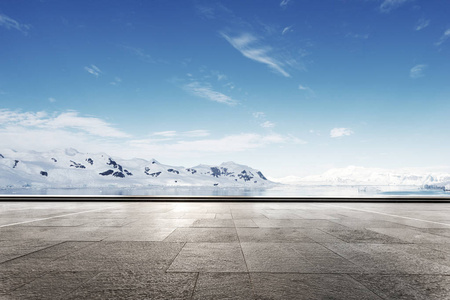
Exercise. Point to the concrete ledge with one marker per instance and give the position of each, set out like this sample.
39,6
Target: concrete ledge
107,198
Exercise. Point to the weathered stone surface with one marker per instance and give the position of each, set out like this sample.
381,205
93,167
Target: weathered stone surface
224,250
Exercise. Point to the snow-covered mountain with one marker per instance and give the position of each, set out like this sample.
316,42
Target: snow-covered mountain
72,169
353,175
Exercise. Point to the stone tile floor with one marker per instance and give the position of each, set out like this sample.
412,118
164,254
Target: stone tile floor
224,250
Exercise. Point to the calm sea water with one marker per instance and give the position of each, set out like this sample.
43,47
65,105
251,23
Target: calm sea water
279,191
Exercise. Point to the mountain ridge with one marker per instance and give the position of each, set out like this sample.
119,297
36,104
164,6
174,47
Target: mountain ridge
69,168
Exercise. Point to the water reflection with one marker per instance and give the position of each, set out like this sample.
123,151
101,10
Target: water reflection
279,191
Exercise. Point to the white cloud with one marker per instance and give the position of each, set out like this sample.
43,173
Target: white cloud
307,89
220,76
205,11
232,143
169,133
389,5
196,133
267,124
230,85
443,38
139,53
284,3
247,44
259,114
116,81
205,91
200,147
94,70
40,131
421,24
339,132
364,36
51,99
286,30
191,133
417,71
67,121
9,23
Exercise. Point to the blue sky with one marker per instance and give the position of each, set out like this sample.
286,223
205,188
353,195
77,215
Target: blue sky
292,87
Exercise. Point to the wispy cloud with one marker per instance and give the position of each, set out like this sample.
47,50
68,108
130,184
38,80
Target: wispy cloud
284,3
41,131
417,71
169,133
94,70
196,133
267,124
388,5
443,38
51,99
249,46
10,23
191,133
234,143
364,36
287,29
139,53
421,24
116,81
307,89
220,76
67,121
206,11
205,91
259,114
339,132
201,147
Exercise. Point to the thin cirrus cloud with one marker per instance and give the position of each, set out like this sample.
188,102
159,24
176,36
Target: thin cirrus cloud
421,24
196,133
389,5
234,143
205,91
116,81
417,71
309,91
191,133
443,38
94,70
169,133
340,132
10,23
362,36
259,114
284,3
286,30
139,53
249,46
267,124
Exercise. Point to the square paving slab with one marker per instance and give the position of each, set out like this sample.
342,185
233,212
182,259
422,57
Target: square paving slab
224,250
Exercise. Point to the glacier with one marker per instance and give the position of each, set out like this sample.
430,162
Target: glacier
361,176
